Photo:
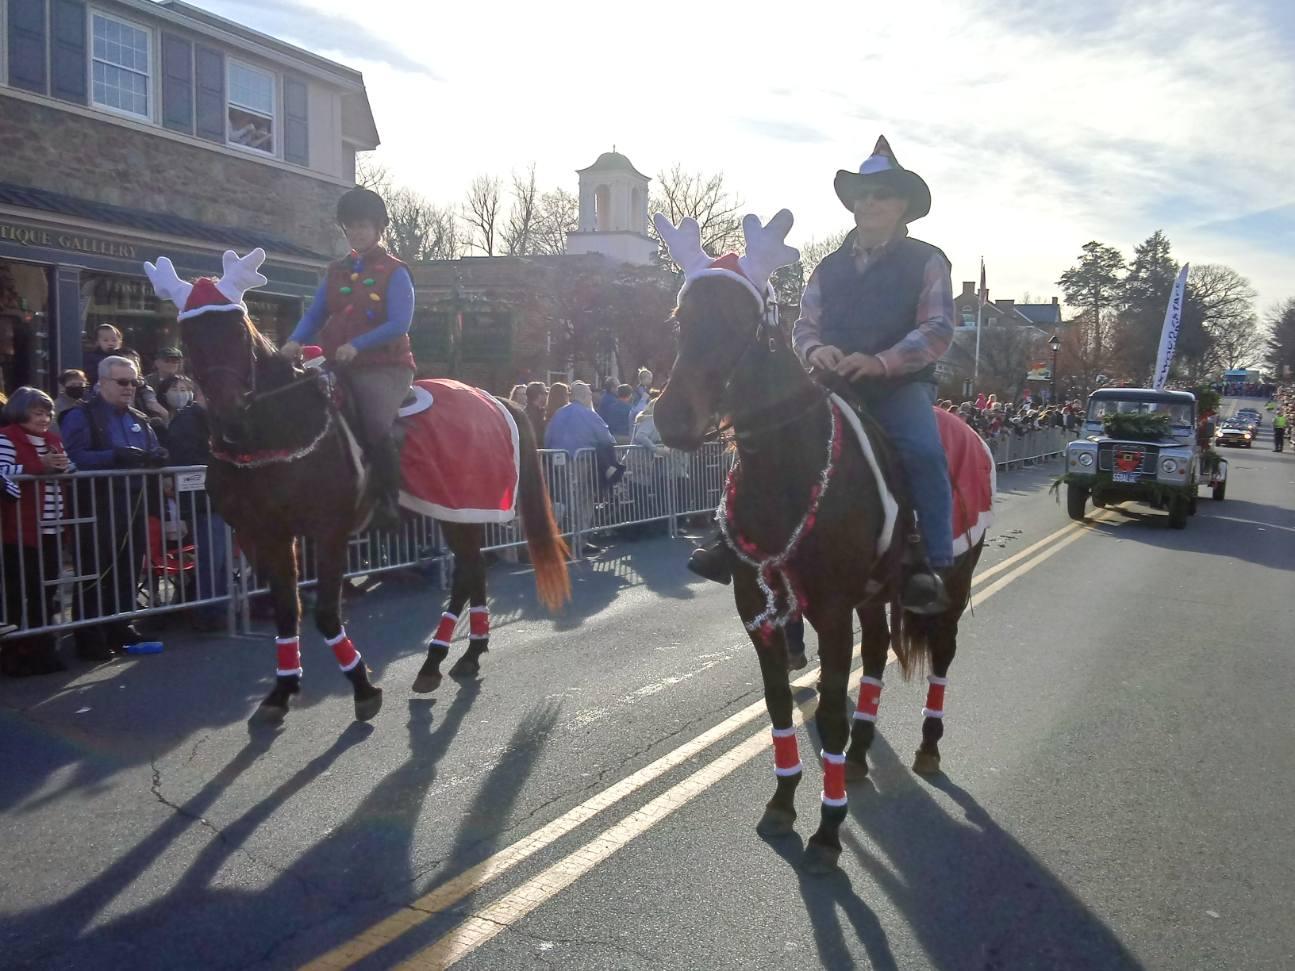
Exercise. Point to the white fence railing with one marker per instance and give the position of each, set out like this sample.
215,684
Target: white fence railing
134,543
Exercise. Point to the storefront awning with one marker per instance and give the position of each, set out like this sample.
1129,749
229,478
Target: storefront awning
154,223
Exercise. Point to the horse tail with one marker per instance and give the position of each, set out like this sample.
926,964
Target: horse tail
911,638
549,553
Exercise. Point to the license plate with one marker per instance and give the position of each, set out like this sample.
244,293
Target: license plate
1124,477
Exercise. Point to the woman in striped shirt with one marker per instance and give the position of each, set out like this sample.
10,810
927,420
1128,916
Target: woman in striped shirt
29,516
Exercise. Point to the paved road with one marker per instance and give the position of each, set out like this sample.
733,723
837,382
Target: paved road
1119,765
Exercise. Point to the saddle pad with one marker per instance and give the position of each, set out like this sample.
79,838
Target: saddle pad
461,459
889,505
973,477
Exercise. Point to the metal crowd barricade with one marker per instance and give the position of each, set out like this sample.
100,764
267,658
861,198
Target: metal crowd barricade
126,544
136,543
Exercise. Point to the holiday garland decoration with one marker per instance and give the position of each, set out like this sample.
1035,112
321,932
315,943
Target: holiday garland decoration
773,573
1137,426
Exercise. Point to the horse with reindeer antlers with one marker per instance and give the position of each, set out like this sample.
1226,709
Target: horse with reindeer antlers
815,514
285,464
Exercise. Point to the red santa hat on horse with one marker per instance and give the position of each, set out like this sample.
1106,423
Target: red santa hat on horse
209,294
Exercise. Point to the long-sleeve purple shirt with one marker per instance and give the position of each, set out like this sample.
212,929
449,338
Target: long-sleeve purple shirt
932,326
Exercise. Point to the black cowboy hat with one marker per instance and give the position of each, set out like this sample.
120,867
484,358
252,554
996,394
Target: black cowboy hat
882,168
358,205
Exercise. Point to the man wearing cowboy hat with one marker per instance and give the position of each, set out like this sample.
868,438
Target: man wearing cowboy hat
879,313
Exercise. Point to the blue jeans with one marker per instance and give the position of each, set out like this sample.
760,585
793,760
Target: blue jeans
906,416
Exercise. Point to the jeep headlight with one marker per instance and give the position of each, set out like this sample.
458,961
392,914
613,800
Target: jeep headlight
1086,459
1247,436
1169,466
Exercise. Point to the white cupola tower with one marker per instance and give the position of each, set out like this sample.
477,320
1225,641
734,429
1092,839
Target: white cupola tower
613,211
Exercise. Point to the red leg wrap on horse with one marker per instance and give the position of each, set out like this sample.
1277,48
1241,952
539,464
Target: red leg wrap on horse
445,629
934,697
347,656
869,699
786,751
479,620
833,779
289,652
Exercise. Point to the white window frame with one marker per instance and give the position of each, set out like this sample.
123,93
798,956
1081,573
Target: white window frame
276,115
150,85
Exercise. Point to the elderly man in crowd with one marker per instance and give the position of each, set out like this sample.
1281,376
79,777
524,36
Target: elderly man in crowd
574,427
109,433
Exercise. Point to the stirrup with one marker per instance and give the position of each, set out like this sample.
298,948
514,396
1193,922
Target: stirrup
925,593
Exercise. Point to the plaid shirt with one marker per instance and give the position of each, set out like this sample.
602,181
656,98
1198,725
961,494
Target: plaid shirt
933,327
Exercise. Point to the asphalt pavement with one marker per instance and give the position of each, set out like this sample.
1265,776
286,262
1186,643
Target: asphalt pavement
1118,769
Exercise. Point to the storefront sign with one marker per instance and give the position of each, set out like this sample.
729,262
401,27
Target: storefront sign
61,239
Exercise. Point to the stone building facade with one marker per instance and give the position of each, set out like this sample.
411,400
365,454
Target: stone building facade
131,129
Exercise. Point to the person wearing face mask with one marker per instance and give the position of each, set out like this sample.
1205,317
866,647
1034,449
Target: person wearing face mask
176,393
72,387
361,314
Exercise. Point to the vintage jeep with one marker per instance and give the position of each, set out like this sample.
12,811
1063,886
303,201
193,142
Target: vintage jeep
1124,456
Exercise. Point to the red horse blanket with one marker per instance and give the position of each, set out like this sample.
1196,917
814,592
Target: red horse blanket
972,475
461,459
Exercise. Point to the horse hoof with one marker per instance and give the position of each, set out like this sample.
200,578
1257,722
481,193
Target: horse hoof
926,763
427,683
464,668
267,714
855,770
776,822
368,706
796,662
820,859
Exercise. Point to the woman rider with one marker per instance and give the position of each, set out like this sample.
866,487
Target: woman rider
361,314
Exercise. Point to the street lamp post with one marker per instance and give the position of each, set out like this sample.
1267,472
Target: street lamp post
1054,342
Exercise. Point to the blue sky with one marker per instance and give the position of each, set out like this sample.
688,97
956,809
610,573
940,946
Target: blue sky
1038,125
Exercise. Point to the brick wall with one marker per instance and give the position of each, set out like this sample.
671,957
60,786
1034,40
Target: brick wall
47,148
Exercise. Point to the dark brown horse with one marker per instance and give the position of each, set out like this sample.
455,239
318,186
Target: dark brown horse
283,467
733,365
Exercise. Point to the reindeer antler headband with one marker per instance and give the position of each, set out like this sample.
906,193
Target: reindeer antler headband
207,295
766,250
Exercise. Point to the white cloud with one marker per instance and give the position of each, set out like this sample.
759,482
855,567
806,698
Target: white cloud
1037,131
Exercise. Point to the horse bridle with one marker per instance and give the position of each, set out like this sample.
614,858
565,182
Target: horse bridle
766,336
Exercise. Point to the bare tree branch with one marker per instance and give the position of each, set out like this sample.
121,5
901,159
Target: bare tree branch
558,214
519,232
481,213
703,197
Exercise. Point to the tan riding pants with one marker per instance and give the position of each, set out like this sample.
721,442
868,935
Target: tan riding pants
378,392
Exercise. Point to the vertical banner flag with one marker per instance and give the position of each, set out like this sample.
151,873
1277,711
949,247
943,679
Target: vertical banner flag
1169,334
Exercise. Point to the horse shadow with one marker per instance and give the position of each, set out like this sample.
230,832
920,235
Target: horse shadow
355,862
972,896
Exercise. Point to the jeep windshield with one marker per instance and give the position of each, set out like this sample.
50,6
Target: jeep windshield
1179,414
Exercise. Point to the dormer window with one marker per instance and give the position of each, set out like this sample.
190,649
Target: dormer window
120,66
251,107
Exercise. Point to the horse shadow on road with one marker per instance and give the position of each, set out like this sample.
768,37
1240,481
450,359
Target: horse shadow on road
352,867
972,896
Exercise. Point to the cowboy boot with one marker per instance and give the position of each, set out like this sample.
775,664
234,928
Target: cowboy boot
713,561
924,588
384,488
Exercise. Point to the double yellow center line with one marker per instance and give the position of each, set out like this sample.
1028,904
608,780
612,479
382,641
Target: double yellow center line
480,927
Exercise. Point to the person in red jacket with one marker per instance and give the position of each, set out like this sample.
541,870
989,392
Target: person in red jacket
361,314
29,513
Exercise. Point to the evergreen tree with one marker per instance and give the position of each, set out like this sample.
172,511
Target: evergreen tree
1281,342
1144,295
1093,284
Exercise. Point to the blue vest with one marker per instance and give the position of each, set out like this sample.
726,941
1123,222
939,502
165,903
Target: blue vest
870,312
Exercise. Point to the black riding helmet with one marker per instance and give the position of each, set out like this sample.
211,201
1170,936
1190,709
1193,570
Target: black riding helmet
360,205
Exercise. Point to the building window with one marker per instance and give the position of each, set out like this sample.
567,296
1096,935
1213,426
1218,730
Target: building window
120,64
251,108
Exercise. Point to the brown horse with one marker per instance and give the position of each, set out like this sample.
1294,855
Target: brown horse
282,467
805,481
